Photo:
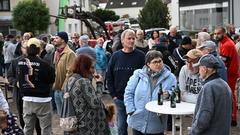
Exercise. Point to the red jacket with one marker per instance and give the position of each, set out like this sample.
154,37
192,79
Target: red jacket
229,55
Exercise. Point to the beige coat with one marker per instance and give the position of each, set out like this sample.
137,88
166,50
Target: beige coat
67,57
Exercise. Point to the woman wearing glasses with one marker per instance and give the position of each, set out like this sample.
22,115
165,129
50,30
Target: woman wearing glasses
142,88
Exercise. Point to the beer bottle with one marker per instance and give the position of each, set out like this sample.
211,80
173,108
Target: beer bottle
160,95
178,94
172,98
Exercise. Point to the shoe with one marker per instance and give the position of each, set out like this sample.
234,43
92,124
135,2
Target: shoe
234,123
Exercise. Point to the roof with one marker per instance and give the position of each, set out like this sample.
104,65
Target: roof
125,3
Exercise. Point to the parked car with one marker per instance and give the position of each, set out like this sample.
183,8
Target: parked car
148,32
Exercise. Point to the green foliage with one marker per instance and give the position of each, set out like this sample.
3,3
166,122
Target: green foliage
154,14
31,15
106,15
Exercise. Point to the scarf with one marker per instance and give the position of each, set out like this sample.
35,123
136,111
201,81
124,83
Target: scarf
57,54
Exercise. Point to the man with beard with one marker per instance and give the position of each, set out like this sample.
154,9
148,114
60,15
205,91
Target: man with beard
229,55
189,81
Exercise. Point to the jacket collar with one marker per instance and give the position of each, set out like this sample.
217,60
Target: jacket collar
211,77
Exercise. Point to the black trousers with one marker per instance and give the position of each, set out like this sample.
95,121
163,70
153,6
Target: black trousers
135,132
19,104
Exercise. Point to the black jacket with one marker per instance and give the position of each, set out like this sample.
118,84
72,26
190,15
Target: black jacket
35,77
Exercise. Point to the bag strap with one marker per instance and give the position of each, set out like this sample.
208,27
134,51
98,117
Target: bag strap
77,78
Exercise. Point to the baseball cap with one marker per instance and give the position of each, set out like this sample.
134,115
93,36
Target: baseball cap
34,41
209,61
193,54
208,44
63,35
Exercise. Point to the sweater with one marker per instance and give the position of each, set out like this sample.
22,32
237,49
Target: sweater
189,84
213,110
35,77
120,68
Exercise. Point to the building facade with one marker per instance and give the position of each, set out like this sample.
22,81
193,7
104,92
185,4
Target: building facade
194,15
126,7
6,6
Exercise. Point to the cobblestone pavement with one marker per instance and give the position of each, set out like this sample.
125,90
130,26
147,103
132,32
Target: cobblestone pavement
107,100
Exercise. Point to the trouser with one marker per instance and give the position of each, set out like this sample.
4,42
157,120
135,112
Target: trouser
121,117
58,95
232,84
42,111
135,132
19,104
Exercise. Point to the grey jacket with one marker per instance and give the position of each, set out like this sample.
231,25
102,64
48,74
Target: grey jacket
213,110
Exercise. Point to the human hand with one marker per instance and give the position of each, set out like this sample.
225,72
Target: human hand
98,77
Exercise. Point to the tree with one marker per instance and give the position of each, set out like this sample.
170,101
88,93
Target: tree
106,15
154,14
31,15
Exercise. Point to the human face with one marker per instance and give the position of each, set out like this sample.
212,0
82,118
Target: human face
190,63
26,36
129,40
156,64
100,42
155,34
75,39
139,35
203,72
58,41
218,34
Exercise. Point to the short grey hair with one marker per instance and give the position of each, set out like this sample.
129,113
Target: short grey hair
125,32
152,54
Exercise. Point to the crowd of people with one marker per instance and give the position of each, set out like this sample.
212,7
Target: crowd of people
56,74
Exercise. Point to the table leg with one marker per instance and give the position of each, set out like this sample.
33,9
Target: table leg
173,125
181,125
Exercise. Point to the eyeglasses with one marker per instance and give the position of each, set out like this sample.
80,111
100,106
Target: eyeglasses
156,62
74,37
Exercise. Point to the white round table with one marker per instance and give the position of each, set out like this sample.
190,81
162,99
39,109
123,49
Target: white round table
181,109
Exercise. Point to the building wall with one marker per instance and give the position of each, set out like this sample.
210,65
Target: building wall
236,11
53,10
173,8
132,12
206,15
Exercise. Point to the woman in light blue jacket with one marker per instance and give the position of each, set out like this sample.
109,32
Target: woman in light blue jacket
142,88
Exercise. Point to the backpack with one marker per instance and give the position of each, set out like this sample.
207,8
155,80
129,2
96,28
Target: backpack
68,118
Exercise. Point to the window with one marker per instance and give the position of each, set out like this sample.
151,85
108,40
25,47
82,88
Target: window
4,5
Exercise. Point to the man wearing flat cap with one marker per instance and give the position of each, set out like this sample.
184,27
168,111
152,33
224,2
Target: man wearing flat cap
213,110
63,58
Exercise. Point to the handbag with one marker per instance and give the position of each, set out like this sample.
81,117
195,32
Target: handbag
68,118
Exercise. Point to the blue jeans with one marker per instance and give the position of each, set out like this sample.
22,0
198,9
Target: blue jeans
58,95
121,117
